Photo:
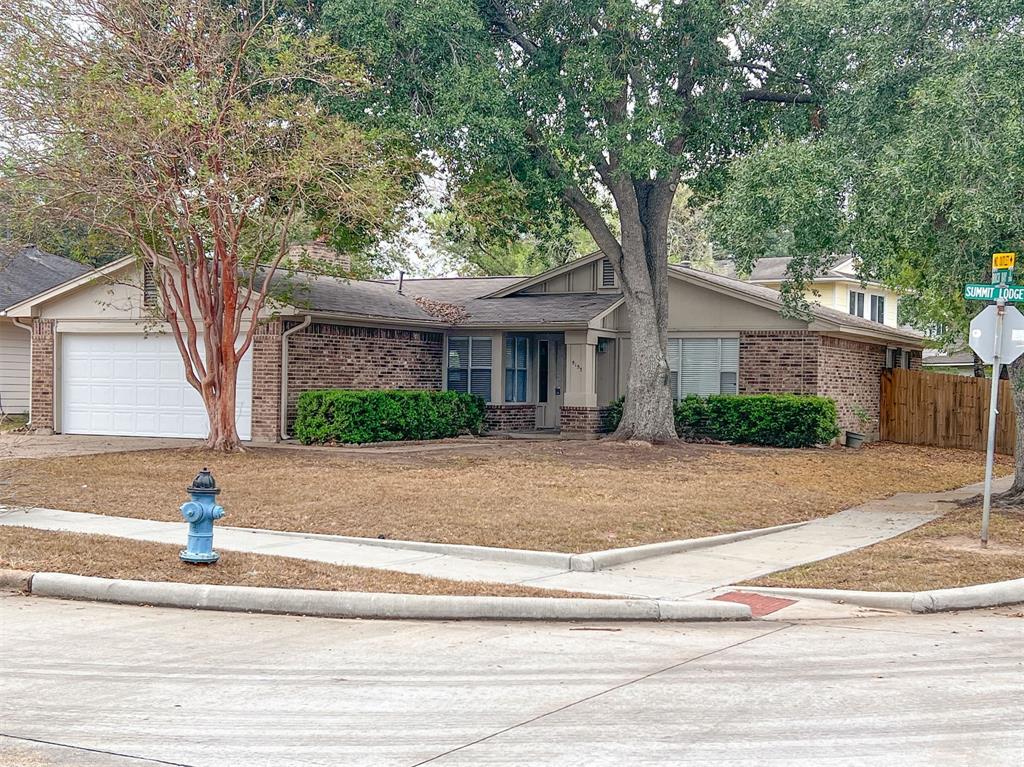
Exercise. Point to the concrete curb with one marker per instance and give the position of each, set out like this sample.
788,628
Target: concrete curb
938,600
342,604
15,580
600,560
554,559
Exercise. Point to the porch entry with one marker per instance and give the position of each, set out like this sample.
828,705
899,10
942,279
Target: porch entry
535,374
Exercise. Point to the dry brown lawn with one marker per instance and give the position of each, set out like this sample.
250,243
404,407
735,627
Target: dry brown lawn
945,553
104,556
564,496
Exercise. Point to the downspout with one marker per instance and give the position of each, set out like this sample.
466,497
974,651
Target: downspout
29,329
283,407
284,372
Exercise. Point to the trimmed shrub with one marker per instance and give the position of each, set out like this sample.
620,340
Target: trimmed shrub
613,414
340,415
776,420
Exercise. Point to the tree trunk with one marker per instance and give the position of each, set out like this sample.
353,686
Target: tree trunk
643,273
1015,495
220,409
979,367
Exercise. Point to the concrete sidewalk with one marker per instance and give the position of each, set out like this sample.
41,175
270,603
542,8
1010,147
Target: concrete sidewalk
675,576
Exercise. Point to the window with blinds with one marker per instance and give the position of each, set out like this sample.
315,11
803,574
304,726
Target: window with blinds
878,308
516,355
607,274
469,366
703,366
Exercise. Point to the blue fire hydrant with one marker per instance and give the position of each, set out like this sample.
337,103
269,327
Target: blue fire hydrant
200,513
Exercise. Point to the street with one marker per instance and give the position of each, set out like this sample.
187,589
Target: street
100,684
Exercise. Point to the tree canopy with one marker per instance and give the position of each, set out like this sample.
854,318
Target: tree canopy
196,135
916,163
589,107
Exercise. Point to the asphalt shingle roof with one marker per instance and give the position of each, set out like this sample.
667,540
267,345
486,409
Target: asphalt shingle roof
30,271
373,299
775,297
771,269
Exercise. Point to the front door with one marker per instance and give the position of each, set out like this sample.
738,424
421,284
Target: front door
550,362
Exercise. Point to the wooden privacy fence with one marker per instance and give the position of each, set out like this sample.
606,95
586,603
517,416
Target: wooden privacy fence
943,410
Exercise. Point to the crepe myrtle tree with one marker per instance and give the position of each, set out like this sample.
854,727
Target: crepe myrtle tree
195,133
595,107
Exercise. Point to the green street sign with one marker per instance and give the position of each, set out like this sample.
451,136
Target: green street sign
1011,293
1002,276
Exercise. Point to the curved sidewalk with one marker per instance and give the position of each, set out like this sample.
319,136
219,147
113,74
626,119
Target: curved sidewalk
673,576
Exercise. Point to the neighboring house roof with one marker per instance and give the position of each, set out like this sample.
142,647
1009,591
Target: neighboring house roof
953,359
775,269
31,271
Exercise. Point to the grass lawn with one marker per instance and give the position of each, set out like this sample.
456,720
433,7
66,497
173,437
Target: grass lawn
945,553
12,422
108,557
562,496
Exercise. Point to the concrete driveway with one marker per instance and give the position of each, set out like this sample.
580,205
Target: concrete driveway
14,445
95,684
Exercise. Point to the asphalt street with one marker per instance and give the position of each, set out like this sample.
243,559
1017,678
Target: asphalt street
85,684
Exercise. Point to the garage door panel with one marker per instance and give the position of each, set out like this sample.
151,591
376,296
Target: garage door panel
131,384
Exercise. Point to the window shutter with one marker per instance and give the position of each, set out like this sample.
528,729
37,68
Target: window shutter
700,371
607,274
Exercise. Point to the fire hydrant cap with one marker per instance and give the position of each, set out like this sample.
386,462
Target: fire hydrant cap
204,483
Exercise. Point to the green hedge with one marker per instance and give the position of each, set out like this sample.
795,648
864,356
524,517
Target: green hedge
777,420
339,415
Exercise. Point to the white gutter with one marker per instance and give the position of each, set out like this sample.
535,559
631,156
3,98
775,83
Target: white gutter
283,405
29,329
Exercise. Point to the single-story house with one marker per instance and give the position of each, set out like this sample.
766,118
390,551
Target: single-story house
24,272
547,352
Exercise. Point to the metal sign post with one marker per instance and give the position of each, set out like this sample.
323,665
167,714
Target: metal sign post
990,452
988,341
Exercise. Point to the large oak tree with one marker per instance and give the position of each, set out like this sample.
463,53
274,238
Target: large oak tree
583,106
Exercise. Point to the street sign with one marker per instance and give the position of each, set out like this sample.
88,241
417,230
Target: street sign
1011,339
1003,260
977,292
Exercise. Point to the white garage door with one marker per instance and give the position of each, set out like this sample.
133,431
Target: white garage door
133,385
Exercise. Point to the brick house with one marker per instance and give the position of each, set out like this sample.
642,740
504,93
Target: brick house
25,272
548,352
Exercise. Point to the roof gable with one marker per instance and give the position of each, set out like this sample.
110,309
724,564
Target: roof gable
32,271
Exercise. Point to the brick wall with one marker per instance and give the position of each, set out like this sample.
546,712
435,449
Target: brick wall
325,356
850,372
510,417
915,359
266,382
777,361
583,420
42,374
